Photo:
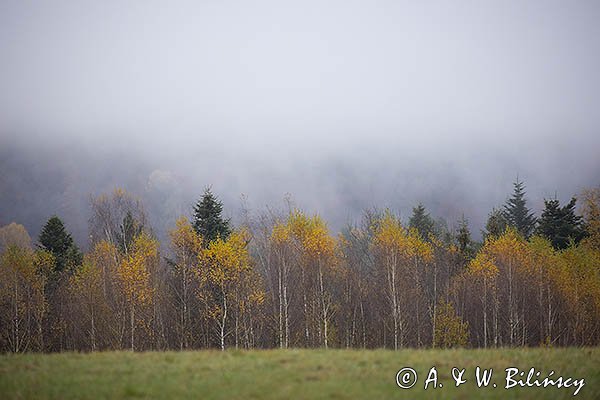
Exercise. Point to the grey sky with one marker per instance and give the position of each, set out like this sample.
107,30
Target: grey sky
343,104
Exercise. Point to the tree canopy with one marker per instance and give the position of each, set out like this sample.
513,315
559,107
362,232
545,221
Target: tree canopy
560,225
208,221
55,239
516,212
421,221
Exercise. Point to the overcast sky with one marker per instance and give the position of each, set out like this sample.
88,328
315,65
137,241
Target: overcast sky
345,105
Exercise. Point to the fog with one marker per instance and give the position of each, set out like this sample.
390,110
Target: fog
344,105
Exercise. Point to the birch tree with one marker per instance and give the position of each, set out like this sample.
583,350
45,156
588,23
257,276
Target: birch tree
186,245
134,275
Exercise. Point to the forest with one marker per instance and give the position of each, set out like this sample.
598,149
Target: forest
282,279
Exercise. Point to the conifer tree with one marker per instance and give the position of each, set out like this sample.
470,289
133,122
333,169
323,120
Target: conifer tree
463,238
55,239
208,221
421,221
516,212
560,225
495,225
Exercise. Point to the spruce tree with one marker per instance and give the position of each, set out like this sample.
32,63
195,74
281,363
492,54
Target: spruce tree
442,232
463,239
55,239
421,221
516,212
495,225
560,225
208,222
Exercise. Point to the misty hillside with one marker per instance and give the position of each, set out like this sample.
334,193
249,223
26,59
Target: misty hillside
343,106
58,179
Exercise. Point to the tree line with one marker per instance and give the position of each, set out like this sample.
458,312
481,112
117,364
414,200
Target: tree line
282,279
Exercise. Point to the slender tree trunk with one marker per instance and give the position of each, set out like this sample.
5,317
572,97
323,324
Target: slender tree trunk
485,334
236,327
496,311
132,320
510,305
549,332
392,281
324,308
286,311
280,288
93,333
223,321
434,317
183,340
364,328
306,330
16,319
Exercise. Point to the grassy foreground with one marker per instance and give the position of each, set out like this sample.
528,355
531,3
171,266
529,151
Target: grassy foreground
287,374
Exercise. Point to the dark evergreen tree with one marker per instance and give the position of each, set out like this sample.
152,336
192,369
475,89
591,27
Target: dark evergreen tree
208,221
442,232
422,222
516,212
495,225
560,225
55,239
128,231
463,240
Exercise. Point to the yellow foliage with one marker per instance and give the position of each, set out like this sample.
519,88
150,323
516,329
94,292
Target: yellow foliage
22,283
186,244
86,280
390,234
450,330
591,215
298,224
21,262
510,249
392,239
281,233
483,265
419,247
44,262
579,281
227,259
104,254
543,258
134,270
183,236
226,265
309,233
317,242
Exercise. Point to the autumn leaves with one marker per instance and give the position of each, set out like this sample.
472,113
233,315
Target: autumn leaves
530,294
113,292
216,276
299,261
399,252
282,279
23,277
230,285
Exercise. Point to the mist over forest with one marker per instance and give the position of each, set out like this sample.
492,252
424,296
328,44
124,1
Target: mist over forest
342,106
61,178
259,175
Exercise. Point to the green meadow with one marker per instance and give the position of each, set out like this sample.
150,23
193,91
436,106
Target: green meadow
289,374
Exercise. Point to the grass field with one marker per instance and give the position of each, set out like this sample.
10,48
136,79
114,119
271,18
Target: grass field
289,374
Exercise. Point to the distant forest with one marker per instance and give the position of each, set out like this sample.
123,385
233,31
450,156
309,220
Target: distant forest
282,279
